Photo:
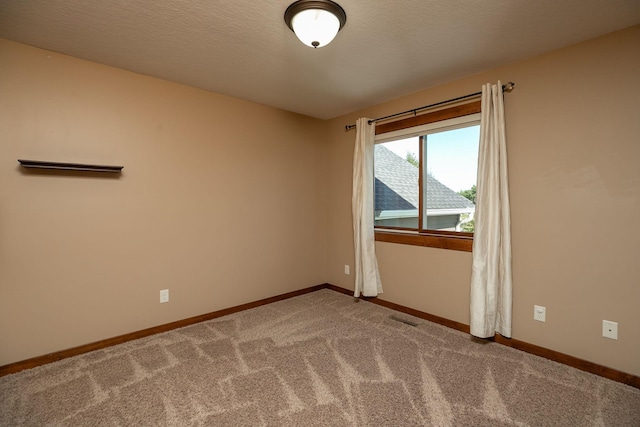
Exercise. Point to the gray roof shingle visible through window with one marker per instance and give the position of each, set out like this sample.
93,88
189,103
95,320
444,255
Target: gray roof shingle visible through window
396,186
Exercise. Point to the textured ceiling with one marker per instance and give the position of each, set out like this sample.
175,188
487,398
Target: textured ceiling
243,48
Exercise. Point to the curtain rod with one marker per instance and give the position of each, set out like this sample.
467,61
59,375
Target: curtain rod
505,87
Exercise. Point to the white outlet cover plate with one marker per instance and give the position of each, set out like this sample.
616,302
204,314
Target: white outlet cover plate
164,295
539,313
610,329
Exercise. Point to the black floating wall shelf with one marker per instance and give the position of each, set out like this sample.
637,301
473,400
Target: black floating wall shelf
35,164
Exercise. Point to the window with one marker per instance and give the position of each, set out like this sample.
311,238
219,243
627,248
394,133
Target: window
425,178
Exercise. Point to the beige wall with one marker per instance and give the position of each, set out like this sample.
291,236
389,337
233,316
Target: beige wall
573,134
221,201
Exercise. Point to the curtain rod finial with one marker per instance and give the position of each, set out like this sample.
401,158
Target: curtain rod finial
509,86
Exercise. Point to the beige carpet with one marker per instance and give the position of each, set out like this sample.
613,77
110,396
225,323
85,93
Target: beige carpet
320,359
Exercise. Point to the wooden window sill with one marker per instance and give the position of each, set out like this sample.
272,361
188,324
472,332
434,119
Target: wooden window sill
442,241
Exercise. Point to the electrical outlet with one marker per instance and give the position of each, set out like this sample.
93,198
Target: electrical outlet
539,313
164,295
610,329
347,269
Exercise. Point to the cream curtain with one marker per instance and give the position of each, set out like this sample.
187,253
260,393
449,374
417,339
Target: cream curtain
366,266
491,285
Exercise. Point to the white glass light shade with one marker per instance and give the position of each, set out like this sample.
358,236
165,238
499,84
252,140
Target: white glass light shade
315,27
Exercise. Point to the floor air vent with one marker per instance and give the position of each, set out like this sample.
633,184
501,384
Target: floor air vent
405,321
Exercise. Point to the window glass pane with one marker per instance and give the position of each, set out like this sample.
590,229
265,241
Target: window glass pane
396,183
451,159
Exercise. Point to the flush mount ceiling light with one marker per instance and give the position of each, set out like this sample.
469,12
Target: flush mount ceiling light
315,23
